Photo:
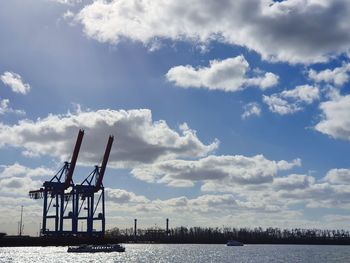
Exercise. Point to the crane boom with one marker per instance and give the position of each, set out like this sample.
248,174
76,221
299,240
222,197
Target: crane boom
74,159
104,164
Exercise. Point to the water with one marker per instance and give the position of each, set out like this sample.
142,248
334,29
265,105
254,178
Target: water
152,253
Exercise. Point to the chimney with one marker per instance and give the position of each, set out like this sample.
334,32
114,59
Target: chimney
167,226
135,227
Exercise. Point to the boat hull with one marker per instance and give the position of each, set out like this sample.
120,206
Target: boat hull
96,249
234,243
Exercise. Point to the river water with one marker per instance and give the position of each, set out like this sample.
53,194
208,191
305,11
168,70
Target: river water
187,253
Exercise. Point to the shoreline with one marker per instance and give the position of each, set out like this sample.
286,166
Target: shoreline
29,241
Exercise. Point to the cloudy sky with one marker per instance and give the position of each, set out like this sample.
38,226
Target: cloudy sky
225,113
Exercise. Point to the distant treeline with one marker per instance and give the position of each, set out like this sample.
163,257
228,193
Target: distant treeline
197,235
222,235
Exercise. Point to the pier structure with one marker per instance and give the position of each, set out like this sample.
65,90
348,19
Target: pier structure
85,194
63,200
58,194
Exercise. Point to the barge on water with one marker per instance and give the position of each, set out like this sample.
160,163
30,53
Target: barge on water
96,248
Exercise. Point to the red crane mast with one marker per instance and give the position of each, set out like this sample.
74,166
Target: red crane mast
73,161
101,173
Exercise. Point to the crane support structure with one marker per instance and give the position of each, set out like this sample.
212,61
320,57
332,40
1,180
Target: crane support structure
85,194
57,198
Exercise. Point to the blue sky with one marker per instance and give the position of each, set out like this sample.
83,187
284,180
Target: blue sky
229,113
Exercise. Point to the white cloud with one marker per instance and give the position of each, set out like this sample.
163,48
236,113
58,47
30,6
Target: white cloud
303,93
272,202
224,170
17,169
319,194
138,139
338,176
284,165
263,202
251,109
303,31
292,182
268,80
121,196
204,207
279,105
226,75
5,108
338,76
15,82
291,101
68,15
275,200
335,120
18,185
67,2
284,192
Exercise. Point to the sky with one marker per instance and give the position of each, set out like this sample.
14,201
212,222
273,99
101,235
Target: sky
224,113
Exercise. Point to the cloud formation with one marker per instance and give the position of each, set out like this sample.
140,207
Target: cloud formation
138,139
5,108
291,101
335,120
224,170
277,30
198,207
18,186
338,176
227,75
17,180
276,199
15,82
338,76
67,2
251,109
16,170
285,191
120,196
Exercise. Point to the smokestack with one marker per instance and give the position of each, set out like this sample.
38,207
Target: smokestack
167,226
135,226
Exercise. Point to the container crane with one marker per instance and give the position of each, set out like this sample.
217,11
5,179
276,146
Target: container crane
85,195
55,194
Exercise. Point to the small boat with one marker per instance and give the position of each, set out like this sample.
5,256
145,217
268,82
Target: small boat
232,243
97,248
